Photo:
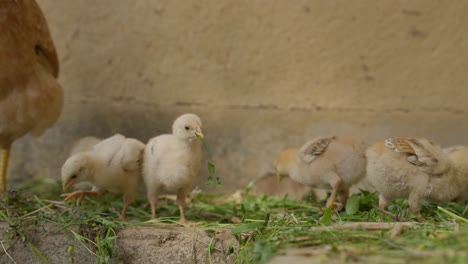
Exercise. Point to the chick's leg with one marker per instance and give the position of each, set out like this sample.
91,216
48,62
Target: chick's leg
414,201
5,154
153,199
335,182
383,203
180,204
383,207
127,200
344,194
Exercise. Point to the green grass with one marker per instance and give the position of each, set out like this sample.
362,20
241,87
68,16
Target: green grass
264,226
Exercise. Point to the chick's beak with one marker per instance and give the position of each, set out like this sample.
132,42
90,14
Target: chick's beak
278,177
199,135
66,186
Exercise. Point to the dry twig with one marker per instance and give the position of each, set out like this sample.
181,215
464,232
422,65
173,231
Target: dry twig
396,230
6,253
363,226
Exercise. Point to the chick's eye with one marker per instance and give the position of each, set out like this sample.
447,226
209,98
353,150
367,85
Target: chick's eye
187,127
73,176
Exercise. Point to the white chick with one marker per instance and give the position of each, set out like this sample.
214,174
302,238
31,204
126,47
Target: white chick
331,163
113,165
414,168
81,145
84,144
172,161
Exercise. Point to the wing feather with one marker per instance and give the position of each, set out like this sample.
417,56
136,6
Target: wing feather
131,155
315,148
108,148
416,153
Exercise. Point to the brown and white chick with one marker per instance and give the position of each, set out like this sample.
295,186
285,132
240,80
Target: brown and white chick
450,150
332,163
113,165
416,169
282,163
172,161
31,98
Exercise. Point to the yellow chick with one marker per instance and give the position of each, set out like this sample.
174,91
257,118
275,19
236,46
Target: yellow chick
332,163
416,169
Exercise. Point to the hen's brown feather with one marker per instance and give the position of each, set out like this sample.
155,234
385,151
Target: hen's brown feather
30,97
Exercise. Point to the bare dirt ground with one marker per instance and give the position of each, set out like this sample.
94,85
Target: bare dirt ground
141,244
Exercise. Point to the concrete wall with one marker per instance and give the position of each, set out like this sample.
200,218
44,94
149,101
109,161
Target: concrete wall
262,75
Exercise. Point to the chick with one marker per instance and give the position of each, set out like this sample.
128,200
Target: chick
114,165
331,163
452,149
172,161
269,185
31,99
81,145
460,158
84,144
416,169
282,163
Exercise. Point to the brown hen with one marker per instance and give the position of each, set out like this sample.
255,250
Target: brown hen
31,99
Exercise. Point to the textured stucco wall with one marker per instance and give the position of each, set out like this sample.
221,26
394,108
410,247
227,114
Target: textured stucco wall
261,74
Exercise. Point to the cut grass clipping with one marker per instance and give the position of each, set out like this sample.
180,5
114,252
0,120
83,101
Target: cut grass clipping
264,226
212,176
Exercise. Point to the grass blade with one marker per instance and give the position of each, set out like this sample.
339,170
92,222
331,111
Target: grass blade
453,215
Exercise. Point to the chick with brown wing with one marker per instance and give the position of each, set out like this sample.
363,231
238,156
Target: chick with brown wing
332,163
416,169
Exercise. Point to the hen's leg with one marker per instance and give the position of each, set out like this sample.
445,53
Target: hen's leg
5,154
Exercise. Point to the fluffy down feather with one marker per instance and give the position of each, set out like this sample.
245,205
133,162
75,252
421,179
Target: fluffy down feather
113,165
416,169
172,161
331,163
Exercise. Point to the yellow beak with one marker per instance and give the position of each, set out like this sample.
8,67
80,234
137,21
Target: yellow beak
278,177
199,135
